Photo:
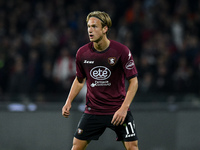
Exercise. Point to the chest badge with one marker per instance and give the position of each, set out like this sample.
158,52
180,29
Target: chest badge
112,61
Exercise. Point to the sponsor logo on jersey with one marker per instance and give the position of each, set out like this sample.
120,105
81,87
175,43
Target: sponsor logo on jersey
101,83
100,73
112,61
93,85
88,62
130,64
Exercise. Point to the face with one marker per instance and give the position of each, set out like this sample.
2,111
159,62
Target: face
95,30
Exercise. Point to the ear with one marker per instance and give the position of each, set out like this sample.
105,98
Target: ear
105,29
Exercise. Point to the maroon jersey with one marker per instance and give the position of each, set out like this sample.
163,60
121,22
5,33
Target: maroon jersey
105,74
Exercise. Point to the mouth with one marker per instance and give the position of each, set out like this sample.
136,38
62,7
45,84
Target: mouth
91,36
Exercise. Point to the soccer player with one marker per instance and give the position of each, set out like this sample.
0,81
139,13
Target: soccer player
104,64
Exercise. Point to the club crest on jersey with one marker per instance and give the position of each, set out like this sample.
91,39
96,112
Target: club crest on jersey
112,61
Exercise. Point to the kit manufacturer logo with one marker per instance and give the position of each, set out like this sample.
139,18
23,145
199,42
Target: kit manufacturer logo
88,62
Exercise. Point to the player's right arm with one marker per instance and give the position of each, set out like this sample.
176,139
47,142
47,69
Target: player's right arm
75,89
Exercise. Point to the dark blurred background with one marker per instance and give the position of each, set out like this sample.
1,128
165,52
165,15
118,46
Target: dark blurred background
38,43
39,40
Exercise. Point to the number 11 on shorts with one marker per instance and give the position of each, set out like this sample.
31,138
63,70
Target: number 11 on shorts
130,131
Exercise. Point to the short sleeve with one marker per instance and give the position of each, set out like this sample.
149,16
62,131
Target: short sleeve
79,68
128,63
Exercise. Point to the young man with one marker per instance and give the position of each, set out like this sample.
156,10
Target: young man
104,64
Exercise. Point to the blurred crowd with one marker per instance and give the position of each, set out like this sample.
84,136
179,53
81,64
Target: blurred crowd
39,40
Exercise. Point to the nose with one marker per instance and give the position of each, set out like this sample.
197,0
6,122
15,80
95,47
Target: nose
89,29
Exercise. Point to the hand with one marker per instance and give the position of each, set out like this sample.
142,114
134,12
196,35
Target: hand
66,110
119,117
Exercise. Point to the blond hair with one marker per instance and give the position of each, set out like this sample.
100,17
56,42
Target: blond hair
104,17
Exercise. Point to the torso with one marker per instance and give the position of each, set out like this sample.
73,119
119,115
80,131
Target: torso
105,74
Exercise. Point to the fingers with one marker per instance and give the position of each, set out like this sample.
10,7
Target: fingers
65,112
117,120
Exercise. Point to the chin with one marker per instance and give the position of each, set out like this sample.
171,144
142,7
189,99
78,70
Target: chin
92,40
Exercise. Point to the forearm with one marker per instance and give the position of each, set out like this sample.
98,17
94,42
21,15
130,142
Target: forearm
75,89
132,89
121,113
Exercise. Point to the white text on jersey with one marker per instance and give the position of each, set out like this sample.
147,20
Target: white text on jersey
88,62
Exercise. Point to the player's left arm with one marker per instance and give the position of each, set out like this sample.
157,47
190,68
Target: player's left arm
121,113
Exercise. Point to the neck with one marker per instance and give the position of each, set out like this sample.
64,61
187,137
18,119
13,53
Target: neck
102,45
